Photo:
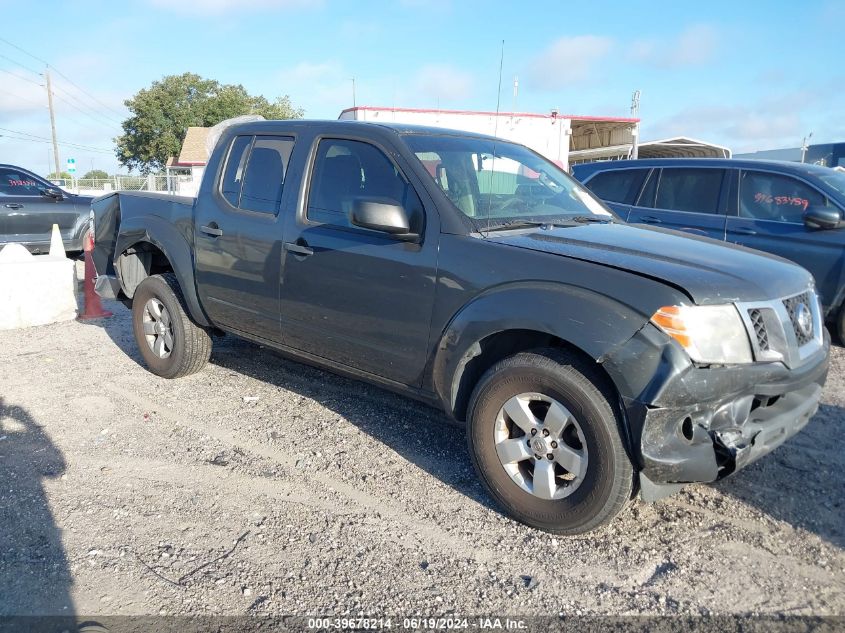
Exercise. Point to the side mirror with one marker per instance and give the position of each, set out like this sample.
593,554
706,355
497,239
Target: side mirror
381,215
54,193
818,217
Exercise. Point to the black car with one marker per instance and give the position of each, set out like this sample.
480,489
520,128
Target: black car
788,209
32,205
587,357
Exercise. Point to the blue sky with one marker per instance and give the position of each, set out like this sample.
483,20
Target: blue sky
749,75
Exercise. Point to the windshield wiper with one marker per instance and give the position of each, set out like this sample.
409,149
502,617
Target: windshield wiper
516,224
557,222
591,218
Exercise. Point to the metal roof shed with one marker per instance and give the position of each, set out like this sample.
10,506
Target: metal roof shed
562,138
681,147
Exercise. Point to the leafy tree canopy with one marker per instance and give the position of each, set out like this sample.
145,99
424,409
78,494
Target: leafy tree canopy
161,115
60,176
98,174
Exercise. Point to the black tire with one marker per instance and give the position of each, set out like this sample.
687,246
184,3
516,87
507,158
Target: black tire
607,483
840,325
191,344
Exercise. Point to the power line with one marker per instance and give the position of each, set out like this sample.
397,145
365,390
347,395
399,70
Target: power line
60,73
88,124
67,79
17,63
48,142
38,59
17,96
41,138
88,114
50,94
9,72
84,105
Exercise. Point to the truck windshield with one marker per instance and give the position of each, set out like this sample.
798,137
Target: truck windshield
496,183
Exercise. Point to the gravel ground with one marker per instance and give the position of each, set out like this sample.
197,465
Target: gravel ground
262,486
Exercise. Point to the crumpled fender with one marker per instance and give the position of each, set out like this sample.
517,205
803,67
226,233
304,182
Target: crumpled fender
588,320
162,234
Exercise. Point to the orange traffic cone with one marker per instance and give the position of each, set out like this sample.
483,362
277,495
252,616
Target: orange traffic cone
93,307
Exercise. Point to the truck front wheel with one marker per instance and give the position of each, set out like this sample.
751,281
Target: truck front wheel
170,343
544,436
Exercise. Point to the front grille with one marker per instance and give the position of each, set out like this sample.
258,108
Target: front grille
756,317
801,318
784,329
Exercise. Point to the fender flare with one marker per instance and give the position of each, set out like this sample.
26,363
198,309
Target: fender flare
162,234
594,323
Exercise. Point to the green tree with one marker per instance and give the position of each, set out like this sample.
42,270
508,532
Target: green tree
161,115
60,176
97,174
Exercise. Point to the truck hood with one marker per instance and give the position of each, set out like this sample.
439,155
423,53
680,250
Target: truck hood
708,271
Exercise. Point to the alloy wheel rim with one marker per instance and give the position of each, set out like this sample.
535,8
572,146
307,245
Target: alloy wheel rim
541,446
158,328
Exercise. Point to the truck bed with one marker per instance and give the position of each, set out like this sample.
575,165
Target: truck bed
134,210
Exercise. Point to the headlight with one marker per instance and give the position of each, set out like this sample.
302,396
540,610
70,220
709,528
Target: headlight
709,334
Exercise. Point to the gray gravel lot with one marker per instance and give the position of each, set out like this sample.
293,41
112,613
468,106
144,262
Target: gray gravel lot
263,486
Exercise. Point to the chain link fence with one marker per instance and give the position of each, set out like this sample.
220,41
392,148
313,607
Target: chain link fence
177,184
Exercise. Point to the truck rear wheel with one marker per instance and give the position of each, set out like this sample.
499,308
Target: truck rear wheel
544,437
170,343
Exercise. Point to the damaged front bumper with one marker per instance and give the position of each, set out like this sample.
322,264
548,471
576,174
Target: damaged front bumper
700,424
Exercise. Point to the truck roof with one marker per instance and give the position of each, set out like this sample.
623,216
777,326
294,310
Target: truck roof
398,128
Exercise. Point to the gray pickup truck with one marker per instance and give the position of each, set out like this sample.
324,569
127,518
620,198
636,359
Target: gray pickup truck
589,360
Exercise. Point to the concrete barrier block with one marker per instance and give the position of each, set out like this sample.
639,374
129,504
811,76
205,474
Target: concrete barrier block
35,289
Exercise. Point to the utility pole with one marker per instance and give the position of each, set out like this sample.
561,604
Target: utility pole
635,131
804,146
354,104
52,121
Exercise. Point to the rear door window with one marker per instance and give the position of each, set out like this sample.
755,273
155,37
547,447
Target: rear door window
646,197
264,176
233,175
766,196
254,176
695,190
618,185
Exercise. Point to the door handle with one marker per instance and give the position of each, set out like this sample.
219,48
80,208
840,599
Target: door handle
299,248
744,230
212,230
650,219
14,205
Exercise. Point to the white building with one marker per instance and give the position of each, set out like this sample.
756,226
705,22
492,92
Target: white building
564,138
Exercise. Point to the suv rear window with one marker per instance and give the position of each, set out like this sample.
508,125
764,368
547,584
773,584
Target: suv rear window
690,189
618,185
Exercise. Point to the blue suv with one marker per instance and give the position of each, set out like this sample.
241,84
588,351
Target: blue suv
788,209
